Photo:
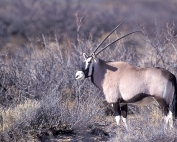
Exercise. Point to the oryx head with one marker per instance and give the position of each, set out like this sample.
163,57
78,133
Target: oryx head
87,67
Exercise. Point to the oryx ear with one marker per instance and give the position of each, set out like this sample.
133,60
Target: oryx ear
85,56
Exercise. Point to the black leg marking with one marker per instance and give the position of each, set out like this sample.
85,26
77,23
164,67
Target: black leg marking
124,110
163,104
117,110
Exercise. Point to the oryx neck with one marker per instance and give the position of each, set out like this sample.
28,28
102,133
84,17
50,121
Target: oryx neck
98,73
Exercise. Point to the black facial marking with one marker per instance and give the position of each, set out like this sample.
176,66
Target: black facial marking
85,71
92,79
83,66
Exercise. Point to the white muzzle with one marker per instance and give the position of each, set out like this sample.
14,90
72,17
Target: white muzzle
79,75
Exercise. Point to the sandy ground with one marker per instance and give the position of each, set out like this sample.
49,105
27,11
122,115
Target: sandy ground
98,133
140,129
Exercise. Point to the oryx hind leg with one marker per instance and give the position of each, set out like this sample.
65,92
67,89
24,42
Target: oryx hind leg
168,114
124,110
163,105
169,120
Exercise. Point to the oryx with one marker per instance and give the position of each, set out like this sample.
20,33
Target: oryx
123,83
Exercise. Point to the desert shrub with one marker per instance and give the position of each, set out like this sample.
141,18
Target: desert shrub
39,94
25,20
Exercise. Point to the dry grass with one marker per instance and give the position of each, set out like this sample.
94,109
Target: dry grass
41,49
22,112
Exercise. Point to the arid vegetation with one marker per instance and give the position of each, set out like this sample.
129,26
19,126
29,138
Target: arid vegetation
41,48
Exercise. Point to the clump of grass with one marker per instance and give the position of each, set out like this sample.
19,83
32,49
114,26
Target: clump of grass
19,114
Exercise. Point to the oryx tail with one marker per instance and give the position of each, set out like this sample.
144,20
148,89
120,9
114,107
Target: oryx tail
174,103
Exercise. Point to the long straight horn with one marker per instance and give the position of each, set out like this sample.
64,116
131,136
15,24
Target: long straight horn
116,41
107,36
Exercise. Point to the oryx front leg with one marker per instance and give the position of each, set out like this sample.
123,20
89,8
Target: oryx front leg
117,112
124,110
